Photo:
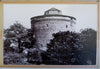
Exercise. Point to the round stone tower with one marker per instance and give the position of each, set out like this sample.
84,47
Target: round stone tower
51,22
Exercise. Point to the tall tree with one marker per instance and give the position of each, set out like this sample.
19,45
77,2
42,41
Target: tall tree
89,40
13,33
64,49
14,30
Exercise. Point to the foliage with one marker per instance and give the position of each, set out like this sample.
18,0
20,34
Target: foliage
89,40
34,56
14,58
14,30
18,34
65,48
11,34
72,48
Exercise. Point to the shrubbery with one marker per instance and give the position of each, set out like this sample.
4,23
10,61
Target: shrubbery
66,48
14,58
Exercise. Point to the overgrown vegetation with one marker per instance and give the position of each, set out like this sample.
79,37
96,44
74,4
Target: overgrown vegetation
66,48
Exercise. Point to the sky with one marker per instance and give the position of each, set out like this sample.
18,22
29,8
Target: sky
86,14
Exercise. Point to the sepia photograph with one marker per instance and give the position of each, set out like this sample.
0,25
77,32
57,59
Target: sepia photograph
50,34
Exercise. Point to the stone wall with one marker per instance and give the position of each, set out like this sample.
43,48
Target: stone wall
43,29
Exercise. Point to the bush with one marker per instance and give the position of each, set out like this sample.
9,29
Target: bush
14,58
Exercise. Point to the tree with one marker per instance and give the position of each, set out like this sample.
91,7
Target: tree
16,33
14,30
89,39
64,49
13,34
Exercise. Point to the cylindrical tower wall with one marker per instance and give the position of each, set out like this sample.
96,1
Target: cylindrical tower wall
44,28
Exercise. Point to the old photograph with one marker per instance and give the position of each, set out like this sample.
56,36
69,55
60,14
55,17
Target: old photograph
50,34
